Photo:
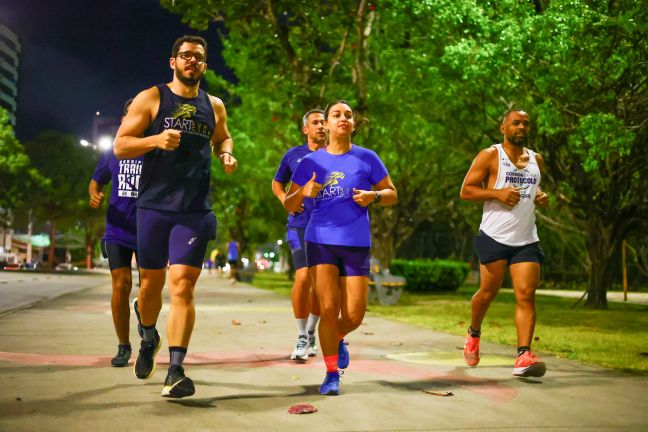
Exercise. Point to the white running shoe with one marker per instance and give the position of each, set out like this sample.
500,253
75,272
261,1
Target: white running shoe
300,353
312,345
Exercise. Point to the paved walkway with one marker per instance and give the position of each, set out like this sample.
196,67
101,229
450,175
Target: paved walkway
612,296
55,376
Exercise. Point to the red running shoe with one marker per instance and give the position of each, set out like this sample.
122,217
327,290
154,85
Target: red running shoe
471,350
528,365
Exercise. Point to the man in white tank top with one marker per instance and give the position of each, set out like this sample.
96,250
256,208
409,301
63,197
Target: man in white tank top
506,177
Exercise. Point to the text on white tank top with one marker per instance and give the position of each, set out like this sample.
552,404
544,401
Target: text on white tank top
513,226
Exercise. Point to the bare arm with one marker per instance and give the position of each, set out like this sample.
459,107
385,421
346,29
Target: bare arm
130,142
222,143
278,190
386,188
95,190
474,187
295,196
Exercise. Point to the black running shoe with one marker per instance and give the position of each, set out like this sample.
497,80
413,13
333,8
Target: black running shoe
145,363
176,384
123,355
139,321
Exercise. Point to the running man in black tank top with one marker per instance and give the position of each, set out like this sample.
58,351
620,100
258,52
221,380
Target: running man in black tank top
176,126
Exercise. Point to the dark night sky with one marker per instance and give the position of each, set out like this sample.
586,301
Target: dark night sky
83,56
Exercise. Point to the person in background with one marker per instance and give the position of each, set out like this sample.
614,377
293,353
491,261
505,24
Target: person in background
119,243
304,303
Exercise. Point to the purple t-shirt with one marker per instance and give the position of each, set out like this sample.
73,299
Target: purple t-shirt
336,219
121,218
287,167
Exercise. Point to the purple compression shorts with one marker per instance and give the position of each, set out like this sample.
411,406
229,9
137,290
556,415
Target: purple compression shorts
179,238
350,260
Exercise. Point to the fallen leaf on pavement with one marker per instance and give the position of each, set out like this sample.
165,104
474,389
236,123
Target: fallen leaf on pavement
438,393
234,322
302,409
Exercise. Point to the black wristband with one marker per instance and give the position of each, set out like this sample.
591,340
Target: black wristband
378,197
225,152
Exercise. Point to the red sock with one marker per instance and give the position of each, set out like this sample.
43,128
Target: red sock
331,363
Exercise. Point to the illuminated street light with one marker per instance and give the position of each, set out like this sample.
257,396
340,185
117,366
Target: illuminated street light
105,142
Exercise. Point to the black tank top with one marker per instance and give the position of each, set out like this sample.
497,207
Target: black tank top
179,180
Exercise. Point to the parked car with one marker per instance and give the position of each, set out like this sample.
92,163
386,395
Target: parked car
30,266
12,266
66,267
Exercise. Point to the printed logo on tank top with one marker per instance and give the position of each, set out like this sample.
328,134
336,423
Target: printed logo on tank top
331,189
522,179
129,178
181,119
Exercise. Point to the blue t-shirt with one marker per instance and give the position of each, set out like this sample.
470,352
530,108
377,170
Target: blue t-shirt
336,219
121,217
287,167
232,251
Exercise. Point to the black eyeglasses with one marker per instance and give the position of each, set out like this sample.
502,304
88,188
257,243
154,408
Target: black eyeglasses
187,55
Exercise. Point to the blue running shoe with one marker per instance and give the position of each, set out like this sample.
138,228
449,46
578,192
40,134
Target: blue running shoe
331,384
343,355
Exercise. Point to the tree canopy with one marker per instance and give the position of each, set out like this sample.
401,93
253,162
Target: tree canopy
434,78
19,179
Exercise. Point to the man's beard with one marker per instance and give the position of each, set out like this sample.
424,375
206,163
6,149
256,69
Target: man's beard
518,140
319,141
190,82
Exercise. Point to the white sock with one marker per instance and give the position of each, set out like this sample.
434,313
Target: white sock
301,326
312,323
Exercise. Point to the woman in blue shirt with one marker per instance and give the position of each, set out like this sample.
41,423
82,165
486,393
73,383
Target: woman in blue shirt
344,179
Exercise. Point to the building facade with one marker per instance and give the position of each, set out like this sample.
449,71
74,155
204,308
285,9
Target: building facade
9,62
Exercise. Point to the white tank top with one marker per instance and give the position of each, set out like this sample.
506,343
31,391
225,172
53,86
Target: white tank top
513,226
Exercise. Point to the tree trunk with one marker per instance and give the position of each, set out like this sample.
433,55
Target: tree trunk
52,249
599,246
388,232
383,249
89,241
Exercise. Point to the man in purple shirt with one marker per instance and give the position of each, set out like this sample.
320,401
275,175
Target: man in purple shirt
304,304
119,242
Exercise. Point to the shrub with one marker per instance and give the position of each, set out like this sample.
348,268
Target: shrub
424,275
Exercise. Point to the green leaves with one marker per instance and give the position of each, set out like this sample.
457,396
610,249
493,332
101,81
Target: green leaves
17,175
598,137
434,77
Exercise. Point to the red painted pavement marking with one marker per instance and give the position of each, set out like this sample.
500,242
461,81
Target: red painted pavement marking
498,393
233,358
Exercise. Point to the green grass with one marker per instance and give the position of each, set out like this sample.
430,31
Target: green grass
277,282
613,338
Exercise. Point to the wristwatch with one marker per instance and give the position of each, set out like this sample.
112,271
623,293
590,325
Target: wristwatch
378,197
